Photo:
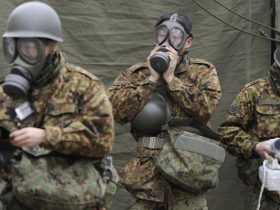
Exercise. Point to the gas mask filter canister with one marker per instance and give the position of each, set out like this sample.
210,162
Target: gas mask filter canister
160,61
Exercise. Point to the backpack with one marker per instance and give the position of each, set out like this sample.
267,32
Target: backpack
190,161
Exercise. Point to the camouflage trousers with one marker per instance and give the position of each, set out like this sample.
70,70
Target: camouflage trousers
191,203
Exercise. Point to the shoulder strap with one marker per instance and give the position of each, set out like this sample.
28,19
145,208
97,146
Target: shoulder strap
196,124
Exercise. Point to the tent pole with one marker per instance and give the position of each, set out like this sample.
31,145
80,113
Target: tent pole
248,48
274,15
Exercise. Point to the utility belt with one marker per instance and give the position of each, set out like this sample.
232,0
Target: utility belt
151,142
188,124
154,142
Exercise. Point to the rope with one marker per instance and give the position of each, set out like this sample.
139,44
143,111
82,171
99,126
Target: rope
241,16
234,27
263,182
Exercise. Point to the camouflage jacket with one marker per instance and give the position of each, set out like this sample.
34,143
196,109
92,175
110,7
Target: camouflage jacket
252,117
195,91
73,109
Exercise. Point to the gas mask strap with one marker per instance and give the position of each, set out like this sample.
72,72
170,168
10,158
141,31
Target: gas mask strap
183,63
50,70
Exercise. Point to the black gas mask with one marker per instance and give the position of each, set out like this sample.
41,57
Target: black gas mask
168,34
27,59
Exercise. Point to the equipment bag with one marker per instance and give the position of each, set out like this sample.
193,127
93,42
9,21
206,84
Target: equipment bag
53,182
190,161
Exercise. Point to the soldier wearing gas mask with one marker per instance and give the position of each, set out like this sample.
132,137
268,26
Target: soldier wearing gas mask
47,110
251,129
169,84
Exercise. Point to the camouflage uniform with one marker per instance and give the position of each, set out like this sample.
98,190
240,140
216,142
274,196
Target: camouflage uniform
73,109
253,117
195,92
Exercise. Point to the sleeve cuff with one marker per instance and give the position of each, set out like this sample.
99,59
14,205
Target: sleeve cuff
53,135
254,151
249,149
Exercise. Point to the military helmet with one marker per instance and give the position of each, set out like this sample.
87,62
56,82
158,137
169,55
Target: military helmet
277,55
34,19
153,116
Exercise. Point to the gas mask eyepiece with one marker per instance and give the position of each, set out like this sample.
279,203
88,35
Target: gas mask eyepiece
170,33
9,49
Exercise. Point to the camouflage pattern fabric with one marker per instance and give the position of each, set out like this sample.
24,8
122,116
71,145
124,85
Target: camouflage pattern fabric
252,117
74,110
65,184
197,202
266,202
195,91
186,169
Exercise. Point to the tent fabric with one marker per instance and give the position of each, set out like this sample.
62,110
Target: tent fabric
277,17
107,36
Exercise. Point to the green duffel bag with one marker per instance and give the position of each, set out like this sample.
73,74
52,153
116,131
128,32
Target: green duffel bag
53,182
190,161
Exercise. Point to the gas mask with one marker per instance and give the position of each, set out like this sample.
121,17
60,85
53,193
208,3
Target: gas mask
27,59
274,71
168,34
274,76
276,55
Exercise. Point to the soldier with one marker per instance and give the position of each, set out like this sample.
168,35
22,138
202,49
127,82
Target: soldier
48,113
253,119
169,84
